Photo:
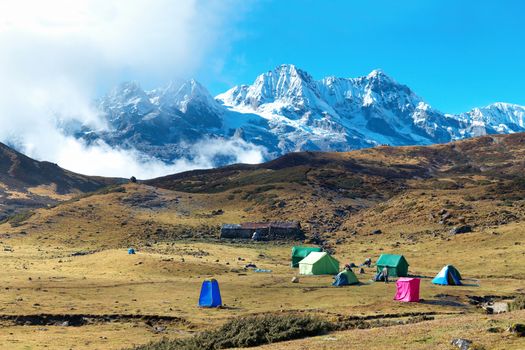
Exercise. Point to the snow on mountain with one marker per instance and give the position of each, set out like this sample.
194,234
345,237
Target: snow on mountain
361,112
286,110
501,118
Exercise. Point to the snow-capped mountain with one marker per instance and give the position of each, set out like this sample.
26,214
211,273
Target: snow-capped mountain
500,118
286,110
162,123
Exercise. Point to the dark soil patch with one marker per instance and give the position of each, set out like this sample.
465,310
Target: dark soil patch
77,320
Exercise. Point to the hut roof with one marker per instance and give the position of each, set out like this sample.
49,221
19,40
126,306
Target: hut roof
263,225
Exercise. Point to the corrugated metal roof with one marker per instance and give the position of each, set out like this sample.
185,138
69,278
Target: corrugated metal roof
254,225
285,224
231,226
262,225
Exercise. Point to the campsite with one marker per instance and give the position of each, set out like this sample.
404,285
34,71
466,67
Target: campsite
52,278
262,174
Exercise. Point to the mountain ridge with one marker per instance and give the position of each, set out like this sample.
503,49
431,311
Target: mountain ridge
27,183
287,110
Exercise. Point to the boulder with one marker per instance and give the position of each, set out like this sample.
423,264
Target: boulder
377,232
461,229
517,329
462,344
500,307
446,216
295,279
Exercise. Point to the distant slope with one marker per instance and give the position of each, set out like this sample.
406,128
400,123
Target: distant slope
409,193
27,183
383,167
478,182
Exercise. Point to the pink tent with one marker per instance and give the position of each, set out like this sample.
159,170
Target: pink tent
407,289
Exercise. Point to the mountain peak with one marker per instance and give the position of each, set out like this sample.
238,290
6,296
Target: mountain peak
504,105
288,68
127,88
192,88
128,95
292,71
379,74
180,96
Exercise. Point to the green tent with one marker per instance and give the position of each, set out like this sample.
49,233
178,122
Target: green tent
397,265
299,253
319,263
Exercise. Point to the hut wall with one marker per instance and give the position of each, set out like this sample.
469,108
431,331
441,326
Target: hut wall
236,233
285,233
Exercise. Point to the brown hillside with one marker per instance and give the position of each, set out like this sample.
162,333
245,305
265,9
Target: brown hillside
26,183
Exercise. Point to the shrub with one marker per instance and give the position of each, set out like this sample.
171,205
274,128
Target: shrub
18,219
518,303
248,332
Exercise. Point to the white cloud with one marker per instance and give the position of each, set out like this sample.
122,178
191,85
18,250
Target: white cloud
55,55
125,163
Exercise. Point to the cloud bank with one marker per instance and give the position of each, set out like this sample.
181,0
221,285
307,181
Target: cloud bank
57,55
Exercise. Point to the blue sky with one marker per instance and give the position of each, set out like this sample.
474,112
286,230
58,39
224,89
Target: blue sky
454,54
57,56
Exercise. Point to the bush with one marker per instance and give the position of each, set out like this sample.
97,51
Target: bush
18,219
248,332
518,303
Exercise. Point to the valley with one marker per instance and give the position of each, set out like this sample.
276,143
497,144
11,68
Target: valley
69,282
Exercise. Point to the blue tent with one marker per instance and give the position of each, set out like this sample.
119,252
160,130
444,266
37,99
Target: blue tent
448,275
210,294
345,278
131,251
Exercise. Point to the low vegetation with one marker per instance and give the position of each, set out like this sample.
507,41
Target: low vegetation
518,303
17,219
248,332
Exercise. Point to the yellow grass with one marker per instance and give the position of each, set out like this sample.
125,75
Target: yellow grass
49,191
429,335
40,276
